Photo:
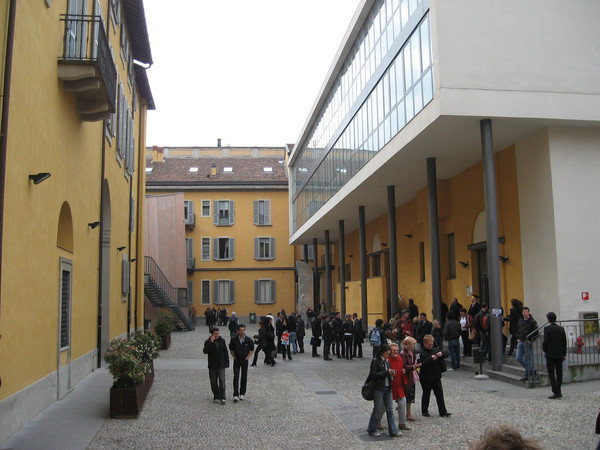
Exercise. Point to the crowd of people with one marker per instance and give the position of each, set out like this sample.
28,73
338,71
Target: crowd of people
407,349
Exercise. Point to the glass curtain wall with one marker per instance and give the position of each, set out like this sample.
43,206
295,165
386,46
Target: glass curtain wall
401,92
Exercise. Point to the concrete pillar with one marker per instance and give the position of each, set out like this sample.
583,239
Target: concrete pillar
493,253
393,250
434,239
363,266
317,290
342,267
327,271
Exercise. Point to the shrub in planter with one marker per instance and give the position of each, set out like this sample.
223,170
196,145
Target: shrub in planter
146,345
165,323
124,364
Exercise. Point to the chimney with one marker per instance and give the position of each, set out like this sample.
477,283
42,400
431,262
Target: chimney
213,169
157,154
219,142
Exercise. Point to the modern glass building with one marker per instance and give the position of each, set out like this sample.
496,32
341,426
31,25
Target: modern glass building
385,80
448,134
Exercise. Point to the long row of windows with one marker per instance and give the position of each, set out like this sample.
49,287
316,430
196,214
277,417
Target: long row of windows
403,90
223,248
223,291
224,212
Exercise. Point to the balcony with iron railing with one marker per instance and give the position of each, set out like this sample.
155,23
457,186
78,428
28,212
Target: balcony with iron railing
86,66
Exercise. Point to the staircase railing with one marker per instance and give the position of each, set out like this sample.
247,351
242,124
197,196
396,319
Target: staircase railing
159,291
577,355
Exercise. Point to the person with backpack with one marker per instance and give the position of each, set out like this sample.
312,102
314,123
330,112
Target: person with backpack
376,336
482,325
233,325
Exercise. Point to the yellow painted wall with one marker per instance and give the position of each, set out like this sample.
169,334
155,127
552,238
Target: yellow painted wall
461,200
46,134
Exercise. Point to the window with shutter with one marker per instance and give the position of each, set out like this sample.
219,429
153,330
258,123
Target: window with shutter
262,212
223,214
264,291
224,291
224,249
190,292
66,268
189,250
125,283
205,299
264,248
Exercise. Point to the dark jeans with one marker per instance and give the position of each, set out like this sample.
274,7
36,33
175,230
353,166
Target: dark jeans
300,341
454,349
240,387
339,345
357,348
326,347
466,342
348,346
554,366
315,348
217,383
267,355
438,391
513,343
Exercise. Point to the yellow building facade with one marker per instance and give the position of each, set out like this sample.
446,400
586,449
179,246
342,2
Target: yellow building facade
73,124
236,217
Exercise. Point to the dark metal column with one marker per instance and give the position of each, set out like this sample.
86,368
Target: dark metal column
342,266
493,253
327,271
363,266
393,251
305,248
434,238
316,287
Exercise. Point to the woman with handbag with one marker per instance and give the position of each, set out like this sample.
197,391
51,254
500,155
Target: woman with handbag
382,375
397,383
410,364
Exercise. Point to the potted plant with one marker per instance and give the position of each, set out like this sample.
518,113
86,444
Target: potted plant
164,325
130,363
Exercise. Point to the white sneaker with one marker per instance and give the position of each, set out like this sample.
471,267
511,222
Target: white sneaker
223,402
374,433
236,399
242,398
216,400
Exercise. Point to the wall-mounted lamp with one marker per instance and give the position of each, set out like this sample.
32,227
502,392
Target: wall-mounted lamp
132,260
39,177
464,263
93,225
121,248
350,256
503,259
346,287
408,235
384,244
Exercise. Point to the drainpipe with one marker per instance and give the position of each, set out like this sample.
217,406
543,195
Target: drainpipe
100,258
10,39
138,260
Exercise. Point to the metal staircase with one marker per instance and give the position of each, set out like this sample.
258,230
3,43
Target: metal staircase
160,293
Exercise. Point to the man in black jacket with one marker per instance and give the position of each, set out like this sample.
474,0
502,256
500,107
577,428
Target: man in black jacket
241,348
359,336
527,325
316,335
218,360
300,332
452,333
338,334
422,328
555,348
328,337
431,377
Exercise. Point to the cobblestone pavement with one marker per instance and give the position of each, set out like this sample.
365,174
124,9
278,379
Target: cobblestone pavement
309,402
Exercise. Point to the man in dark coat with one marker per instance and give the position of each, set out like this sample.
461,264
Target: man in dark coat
300,332
555,348
527,325
359,336
328,337
316,335
218,360
455,308
241,348
413,310
338,334
431,376
422,328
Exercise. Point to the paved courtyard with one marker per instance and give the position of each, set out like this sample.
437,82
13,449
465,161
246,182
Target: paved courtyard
303,403
310,402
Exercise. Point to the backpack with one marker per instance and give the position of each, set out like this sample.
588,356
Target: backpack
375,338
485,322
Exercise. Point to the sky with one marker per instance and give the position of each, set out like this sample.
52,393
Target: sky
244,71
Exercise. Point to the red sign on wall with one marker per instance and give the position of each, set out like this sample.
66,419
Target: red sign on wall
585,296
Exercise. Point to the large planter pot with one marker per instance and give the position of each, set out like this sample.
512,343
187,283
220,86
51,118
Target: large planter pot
126,403
166,342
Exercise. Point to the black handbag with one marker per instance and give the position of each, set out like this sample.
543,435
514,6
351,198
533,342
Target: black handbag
315,341
368,388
